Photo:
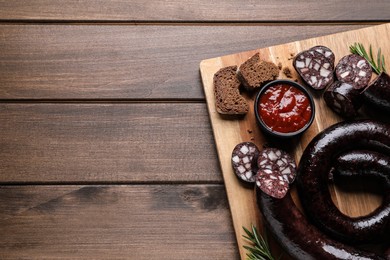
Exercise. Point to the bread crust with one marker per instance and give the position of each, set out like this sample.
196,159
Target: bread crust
254,72
228,99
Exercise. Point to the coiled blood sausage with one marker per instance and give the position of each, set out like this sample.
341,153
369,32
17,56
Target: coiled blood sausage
349,150
358,163
313,174
299,238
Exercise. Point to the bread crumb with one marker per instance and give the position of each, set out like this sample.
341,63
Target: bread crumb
292,55
287,72
249,131
280,65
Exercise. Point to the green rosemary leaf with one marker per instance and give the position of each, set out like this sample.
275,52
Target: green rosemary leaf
254,232
383,64
378,58
371,56
378,66
259,250
363,50
250,235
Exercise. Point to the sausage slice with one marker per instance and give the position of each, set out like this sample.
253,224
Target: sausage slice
314,68
328,53
355,70
244,158
277,162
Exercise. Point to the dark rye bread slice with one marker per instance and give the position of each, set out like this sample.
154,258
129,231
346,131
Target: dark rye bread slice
254,72
227,94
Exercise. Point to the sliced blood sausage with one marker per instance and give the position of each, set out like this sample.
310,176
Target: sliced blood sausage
277,162
273,185
314,68
378,92
355,70
312,181
328,53
343,98
244,161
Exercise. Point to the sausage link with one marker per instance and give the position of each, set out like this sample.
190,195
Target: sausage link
312,181
377,93
299,238
364,163
343,98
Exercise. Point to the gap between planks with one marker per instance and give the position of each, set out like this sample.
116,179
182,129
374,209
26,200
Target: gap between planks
104,101
108,183
190,23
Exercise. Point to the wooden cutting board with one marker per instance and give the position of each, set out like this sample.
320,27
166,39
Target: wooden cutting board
229,132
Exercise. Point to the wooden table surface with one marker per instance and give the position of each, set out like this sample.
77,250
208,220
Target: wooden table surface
106,148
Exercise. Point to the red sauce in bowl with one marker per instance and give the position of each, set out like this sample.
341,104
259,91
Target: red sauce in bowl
284,108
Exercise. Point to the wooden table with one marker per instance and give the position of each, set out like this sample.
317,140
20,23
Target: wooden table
106,149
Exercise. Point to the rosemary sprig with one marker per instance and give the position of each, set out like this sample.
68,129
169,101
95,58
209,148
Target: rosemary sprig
378,66
260,249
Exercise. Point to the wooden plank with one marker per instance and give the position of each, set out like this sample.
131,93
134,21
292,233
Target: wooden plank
116,222
106,143
125,62
228,133
190,10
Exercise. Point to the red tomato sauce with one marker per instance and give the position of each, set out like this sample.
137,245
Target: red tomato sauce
284,108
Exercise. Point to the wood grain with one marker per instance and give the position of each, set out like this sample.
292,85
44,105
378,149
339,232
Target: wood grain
115,222
228,133
190,10
119,124
137,142
125,62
